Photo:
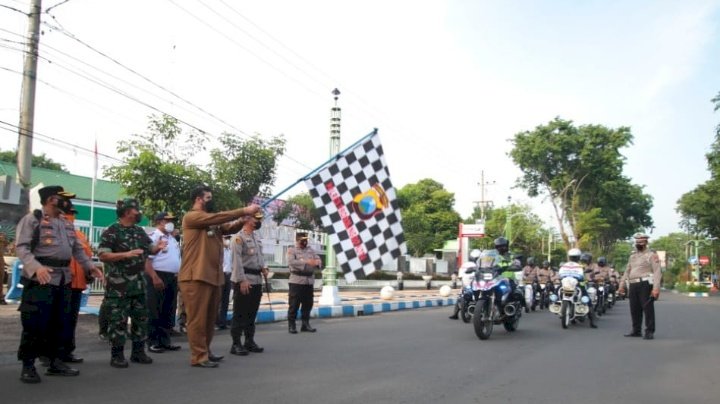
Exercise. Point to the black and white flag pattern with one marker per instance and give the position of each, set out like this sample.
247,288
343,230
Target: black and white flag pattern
359,209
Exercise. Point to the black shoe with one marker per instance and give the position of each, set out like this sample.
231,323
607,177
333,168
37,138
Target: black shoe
156,348
633,334
291,328
593,325
238,349
215,359
171,347
29,375
140,357
253,347
221,327
649,335
58,368
306,327
206,364
454,317
72,359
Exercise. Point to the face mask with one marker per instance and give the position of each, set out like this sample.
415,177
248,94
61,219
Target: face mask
169,227
210,206
303,243
640,247
226,242
258,225
138,218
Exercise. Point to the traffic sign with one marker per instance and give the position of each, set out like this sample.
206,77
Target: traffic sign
704,260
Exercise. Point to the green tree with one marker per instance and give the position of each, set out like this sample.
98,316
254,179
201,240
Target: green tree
527,232
428,216
579,169
157,169
41,161
300,210
244,169
700,208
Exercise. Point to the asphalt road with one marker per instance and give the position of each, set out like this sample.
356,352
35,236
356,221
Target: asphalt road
419,356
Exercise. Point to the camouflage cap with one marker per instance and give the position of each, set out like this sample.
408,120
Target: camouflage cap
128,203
640,235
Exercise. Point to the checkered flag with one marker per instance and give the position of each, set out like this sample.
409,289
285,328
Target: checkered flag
358,207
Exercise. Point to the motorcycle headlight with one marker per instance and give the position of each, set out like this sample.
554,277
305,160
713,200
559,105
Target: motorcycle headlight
601,288
503,287
592,290
553,298
585,299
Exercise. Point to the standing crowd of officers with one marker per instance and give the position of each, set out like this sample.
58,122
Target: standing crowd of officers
641,280
144,275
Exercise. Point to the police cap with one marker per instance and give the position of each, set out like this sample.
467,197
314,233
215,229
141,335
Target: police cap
50,190
638,236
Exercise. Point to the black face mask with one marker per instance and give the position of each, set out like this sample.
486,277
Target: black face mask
640,247
138,218
63,204
210,206
303,244
258,225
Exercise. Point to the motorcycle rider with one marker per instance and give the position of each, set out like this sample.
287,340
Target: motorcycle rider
529,277
574,258
604,272
588,266
466,273
545,275
509,266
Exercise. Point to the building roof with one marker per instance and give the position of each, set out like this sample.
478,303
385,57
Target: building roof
105,191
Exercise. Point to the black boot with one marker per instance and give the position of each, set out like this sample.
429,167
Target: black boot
291,327
250,344
306,326
29,373
138,353
238,348
456,310
118,357
59,368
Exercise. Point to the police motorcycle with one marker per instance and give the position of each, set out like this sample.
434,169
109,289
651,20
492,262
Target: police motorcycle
465,304
569,302
542,294
496,302
468,295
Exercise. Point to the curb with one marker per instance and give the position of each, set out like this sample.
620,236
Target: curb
344,310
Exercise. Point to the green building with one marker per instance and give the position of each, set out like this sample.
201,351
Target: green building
103,208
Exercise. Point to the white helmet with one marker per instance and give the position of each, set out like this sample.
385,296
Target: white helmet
574,253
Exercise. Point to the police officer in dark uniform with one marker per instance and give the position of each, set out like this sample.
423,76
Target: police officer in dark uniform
248,268
45,243
644,276
303,262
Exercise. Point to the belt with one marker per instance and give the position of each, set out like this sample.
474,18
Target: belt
51,262
252,271
637,280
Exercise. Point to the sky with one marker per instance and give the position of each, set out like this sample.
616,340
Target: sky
447,83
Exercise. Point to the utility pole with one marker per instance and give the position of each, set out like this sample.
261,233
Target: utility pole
330,295
482,202
27,100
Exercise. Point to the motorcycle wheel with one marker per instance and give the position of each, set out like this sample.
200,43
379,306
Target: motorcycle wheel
512,324
482,321
565,314
464,313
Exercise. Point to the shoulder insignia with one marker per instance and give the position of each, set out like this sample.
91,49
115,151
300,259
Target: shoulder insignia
238,240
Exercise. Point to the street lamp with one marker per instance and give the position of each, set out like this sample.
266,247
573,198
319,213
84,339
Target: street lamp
508,225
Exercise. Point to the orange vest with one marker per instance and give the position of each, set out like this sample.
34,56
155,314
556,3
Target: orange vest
78,273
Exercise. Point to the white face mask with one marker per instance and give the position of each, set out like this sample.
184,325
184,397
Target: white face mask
169,227
226,242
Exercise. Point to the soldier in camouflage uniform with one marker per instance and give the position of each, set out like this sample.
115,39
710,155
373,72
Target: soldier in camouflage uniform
124,247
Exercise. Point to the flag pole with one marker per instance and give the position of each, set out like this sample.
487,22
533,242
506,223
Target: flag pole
92,196
320,167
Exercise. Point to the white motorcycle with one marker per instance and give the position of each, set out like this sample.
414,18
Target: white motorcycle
571,305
